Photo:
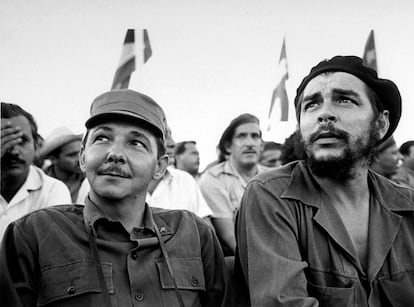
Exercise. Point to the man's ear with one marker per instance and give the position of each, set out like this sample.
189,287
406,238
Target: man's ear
383,123
82,158
160,167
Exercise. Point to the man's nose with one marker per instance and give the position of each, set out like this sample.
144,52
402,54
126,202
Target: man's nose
326,113
116,154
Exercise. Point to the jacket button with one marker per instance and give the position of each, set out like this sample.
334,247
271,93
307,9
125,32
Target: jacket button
194,282
134,256
139,296
71,290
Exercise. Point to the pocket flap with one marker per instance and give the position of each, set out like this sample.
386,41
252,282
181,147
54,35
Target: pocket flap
188,273
72,279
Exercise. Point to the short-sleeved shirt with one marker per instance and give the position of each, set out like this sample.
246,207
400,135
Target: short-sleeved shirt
38,191
179,190
223,187
46,260
294,249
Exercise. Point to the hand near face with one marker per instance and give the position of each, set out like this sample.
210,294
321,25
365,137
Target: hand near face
10,136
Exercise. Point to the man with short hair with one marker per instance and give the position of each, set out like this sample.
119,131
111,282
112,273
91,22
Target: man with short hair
24,187
385,158
405,173
115,250
187,157
62,147
271,154
328,231
223,185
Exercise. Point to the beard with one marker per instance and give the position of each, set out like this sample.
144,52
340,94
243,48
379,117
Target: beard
342,168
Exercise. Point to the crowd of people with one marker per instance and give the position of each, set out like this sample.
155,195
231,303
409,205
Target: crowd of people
123,216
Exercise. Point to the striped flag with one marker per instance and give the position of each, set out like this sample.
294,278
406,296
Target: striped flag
280,101
370,54
129,59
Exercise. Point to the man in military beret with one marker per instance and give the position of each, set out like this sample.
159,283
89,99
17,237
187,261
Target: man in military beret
223,185
327,231
115,250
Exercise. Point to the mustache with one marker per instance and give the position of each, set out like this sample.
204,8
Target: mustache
113,170
8,158
329,131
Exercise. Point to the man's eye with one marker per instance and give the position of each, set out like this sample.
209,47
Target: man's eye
345,100
101,138
138,143
309,104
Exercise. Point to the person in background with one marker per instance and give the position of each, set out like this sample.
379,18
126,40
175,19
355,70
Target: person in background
62,148
177,189
270,155
223,185
405,173
24,187
385,158
292,149
328,231
187,158
115,250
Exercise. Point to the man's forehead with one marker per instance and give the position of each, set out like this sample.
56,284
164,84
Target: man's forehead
247,127
335,81
19,121
124,126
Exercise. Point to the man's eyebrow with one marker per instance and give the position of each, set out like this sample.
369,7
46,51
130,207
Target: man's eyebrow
312,96
102,127
340,91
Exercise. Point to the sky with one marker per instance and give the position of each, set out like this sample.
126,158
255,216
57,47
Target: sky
212,60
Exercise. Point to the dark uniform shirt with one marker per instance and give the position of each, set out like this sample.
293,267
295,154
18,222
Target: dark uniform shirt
45,260
294,249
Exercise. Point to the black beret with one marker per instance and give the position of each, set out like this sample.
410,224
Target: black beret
385,89
227,135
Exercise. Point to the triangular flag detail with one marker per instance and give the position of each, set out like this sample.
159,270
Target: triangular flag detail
279,97
370,54
126,63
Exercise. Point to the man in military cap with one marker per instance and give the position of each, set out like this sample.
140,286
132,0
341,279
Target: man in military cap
115,250
327,231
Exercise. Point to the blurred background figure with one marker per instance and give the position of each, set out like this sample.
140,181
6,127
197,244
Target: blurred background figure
62,148
270,155
187,158
385,158
24,187
169,146
223,184
292,149
405,173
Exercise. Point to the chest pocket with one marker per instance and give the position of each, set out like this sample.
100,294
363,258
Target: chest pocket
189,276
399,288
71,280
331,296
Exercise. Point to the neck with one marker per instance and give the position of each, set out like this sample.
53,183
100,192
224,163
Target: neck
350,192
246,171
128,211
10,186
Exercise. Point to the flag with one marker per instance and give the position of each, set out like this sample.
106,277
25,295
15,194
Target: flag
128,60
279,97
370,55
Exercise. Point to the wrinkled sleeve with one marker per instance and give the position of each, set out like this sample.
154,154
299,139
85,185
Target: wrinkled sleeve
268,249
216,196
219,290
18,286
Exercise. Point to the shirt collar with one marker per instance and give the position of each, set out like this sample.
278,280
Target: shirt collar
34,180
303,187
92,213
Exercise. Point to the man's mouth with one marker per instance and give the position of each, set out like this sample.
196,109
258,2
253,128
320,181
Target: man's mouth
327,138
114,172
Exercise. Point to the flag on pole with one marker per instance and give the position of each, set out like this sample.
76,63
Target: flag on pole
370,54
129,59
280,101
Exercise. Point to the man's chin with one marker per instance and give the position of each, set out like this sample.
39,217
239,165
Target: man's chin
333,167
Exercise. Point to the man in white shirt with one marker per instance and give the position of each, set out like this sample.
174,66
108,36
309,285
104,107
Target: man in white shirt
24,187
